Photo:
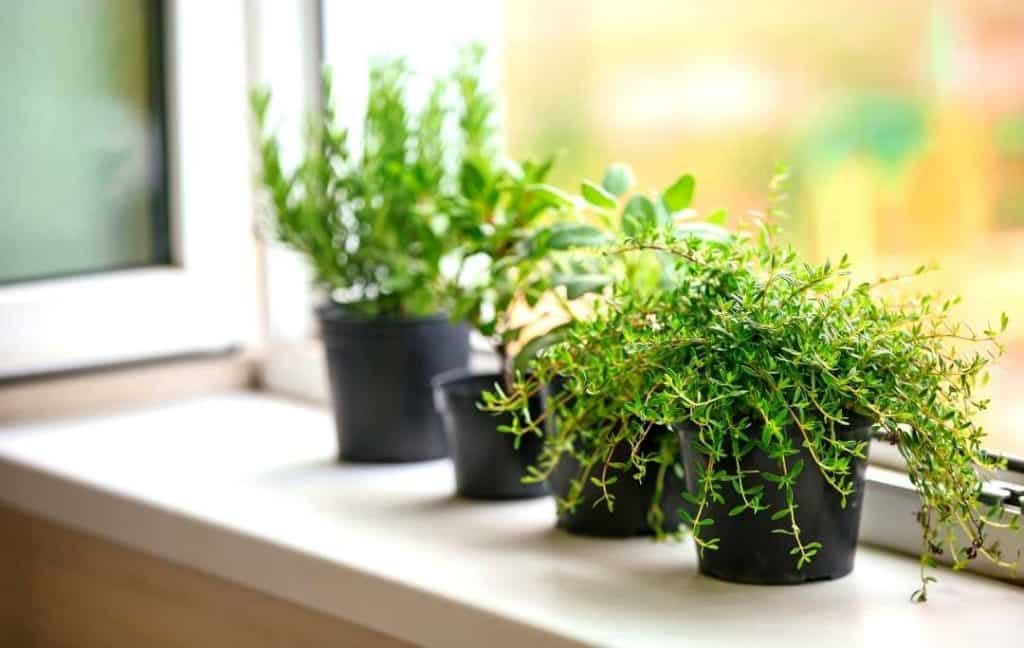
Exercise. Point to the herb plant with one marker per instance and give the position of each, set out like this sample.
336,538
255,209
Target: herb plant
373,226
512,232
588,415
759,350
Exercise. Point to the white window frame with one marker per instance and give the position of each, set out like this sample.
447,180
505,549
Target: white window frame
286,58
205,301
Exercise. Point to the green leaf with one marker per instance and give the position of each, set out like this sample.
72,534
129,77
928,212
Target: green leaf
692,499
597,196
471,180
718,217
618,179
778,515
795,471
565,236
577,285
259,100
736,510
639,216
680,194
534,347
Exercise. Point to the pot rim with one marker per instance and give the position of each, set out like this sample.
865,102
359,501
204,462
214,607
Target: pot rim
448,381
333,313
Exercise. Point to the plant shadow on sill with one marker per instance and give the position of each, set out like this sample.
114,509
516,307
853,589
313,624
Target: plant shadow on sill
713,610
418,494
358,476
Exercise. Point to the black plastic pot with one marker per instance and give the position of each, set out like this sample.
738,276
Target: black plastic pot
632,498
487,464
380,371
748,550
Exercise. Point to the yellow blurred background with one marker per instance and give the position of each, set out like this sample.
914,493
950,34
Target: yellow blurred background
903,123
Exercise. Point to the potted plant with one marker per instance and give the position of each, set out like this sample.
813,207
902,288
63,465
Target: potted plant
613,474
373,228
774,371
513,235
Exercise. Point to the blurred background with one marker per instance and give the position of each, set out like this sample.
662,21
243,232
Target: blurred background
902,122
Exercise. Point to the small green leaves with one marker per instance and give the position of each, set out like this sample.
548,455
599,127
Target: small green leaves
680,194
618,179
597,196
375,227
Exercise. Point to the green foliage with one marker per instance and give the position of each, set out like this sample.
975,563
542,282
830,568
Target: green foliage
512,233
759,350
514,241
373,226
587,413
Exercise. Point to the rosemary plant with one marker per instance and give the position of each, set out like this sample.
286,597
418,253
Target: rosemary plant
761,351
373,226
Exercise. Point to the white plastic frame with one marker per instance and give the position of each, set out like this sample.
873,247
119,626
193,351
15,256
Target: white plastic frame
206,300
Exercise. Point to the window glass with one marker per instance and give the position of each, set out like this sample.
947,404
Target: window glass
82,185
903,123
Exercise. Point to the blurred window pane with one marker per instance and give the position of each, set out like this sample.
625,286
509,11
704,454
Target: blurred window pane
903,123
82,184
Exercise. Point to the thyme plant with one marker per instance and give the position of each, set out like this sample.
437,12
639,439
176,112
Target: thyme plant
373,226
759,350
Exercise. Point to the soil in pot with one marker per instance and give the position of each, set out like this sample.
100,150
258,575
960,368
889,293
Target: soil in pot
633,499
380,371
748,550
487,464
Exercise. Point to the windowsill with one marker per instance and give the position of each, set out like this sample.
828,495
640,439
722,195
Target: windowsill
244,487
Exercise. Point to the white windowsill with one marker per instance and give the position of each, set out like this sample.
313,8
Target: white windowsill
244,486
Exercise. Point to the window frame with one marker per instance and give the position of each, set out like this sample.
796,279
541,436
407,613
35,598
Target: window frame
205,300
